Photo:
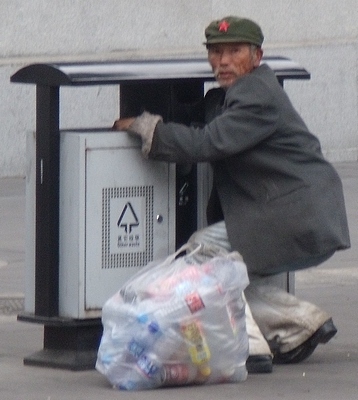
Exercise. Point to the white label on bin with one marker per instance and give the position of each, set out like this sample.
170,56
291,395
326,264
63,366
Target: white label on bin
127,225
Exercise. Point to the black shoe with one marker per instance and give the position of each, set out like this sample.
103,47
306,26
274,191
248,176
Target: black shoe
260,364
303,351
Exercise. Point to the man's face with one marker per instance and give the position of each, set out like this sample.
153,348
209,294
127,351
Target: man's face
230,61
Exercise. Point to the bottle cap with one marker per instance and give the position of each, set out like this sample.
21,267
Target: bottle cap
142,318
153,327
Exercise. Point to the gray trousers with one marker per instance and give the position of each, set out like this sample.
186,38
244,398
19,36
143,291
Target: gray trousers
275,319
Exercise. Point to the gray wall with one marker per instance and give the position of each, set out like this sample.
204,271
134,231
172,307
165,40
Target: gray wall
321,35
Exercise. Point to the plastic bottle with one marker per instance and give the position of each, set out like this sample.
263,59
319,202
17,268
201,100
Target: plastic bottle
170,345
189,300
181,374
197,345
223,321
129,332
227,337
117,319
231,374
170,315
184,320
168,285
144,335
149,373
139,374
229,273
135,379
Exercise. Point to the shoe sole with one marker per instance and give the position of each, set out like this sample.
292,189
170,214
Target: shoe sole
323,335
260,364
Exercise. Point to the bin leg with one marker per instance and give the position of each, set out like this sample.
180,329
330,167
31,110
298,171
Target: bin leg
68,344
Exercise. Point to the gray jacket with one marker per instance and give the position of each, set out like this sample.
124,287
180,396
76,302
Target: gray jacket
281,200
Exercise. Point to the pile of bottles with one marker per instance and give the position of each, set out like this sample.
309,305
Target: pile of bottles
175,325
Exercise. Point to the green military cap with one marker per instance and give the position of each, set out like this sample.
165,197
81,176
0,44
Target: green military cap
234,30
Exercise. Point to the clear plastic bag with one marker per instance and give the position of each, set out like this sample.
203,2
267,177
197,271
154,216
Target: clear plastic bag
177,323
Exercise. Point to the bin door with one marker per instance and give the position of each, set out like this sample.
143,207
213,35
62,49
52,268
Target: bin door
117,214
127,216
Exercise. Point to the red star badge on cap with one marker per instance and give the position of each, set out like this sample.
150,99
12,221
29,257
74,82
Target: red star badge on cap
224,26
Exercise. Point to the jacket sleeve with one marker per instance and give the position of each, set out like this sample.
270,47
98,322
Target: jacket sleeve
249,116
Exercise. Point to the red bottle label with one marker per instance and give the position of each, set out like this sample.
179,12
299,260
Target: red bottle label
175,374
194,302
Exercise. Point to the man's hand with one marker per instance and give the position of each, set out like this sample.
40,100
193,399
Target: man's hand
142,126
123,124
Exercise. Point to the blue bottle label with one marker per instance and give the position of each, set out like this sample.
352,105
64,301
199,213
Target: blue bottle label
147,366
135,348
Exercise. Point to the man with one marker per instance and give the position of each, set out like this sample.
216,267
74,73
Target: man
275,198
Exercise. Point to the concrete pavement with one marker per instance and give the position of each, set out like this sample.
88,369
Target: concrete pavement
331,373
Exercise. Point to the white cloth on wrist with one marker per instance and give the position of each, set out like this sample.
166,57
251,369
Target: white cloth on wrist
144,126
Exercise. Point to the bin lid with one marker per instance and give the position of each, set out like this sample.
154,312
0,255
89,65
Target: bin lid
102,73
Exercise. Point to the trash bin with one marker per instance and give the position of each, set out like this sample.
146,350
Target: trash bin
99,211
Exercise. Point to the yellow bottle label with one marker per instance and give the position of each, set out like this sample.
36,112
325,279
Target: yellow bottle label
197,346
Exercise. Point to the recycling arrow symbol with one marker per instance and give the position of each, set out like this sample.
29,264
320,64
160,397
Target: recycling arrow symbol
128,218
